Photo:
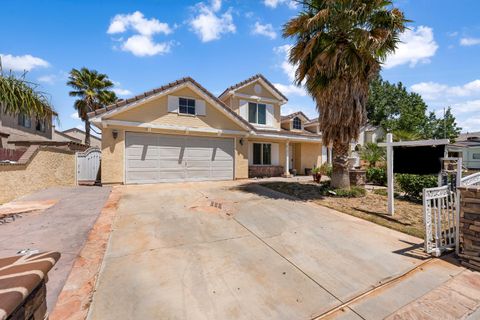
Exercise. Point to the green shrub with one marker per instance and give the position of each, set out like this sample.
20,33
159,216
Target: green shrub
413,184
329,170
353,192
377,176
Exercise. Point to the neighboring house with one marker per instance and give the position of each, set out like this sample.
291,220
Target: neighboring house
370,133
78,135
23,128
467,147
182,132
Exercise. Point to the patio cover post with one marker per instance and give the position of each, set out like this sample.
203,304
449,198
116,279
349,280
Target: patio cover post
391,207
287,162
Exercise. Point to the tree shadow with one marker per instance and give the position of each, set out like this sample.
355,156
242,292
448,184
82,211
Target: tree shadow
293,191
383,216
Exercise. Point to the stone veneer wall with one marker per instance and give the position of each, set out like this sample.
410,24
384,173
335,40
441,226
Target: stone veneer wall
470,226
357,177
265,171
43,167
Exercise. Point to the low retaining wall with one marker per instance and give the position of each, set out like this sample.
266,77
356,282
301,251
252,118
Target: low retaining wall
265,171
470,226
38,168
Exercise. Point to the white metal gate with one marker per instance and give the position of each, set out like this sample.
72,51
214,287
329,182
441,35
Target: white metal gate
88,165
442,217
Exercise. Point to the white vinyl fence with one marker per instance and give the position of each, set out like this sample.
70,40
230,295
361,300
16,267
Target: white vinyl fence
88,166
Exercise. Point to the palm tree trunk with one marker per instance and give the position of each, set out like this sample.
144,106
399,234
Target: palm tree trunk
87,132
340,177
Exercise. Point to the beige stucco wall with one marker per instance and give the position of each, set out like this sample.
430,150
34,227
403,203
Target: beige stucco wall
113,150
49,167
311,155
156,111
234,102
241,159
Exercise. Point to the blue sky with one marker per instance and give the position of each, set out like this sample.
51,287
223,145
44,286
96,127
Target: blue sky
141,45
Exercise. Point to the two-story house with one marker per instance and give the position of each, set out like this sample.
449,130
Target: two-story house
182,132
23,127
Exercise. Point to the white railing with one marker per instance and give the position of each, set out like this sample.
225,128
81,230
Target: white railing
441,219
470,180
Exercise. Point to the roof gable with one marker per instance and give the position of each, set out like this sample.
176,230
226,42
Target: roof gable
139,100
256,78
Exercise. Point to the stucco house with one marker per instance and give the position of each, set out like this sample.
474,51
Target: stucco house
77,135
467,147
182,132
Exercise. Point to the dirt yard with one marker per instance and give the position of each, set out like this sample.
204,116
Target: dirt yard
372,207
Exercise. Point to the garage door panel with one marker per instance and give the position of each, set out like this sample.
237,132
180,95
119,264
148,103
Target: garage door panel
154,158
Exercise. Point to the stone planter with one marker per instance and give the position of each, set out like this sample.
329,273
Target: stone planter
357,177
469,235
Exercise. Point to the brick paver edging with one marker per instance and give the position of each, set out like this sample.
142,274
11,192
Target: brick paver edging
76,296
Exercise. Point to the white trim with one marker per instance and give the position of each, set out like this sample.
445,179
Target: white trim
187,84
150,126
433,142
257,98
291,138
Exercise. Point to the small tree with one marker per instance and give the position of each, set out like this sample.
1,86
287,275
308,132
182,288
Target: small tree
372,153
19,96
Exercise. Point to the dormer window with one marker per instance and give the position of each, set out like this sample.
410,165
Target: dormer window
297,123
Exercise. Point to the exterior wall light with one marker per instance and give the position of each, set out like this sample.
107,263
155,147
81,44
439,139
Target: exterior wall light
241,141
115,134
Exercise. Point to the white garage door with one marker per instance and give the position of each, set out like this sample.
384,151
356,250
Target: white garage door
151,158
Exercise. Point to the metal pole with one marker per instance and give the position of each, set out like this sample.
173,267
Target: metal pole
391,207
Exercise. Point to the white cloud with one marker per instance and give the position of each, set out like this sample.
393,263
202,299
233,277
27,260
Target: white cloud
291,89
142,46
470,124
122,92
287,67
143,43
48,79
264,30
75,116
22,63
418,46
136,21
209,24
275,3
469,41
438,91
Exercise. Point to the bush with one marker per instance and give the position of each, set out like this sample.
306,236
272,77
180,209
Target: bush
325,189
377,176
413,184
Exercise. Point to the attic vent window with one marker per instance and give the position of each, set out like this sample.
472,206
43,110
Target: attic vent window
186,106
297,123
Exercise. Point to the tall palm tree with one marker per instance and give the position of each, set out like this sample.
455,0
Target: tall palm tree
93,90
19,96
339,48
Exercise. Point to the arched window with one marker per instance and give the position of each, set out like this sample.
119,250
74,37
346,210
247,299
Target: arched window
297,123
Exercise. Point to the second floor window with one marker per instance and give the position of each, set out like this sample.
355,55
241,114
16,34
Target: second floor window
40,125
297,123
24,121
257,113
186,106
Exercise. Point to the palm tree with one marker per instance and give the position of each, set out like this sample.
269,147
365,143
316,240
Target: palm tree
19,96
372,153
92,88
339,48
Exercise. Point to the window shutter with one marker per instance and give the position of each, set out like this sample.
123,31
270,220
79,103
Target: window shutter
275,154
172,104
270,115
244,109
200,108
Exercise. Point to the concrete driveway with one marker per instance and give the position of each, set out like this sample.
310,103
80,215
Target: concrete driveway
229,250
